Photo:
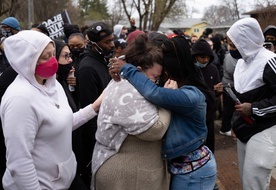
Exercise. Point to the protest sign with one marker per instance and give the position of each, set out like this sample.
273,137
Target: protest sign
56,23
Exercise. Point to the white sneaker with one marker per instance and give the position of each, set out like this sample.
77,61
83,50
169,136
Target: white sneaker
228,133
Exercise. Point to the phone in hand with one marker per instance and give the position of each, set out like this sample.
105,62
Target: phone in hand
268,45
229,91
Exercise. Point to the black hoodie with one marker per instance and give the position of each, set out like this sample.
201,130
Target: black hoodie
210,72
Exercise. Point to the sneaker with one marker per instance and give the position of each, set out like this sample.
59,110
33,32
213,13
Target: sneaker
228,133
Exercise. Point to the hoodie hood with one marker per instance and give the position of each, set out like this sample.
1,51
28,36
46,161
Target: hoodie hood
247,36
118,29
23,50
60,44
202,47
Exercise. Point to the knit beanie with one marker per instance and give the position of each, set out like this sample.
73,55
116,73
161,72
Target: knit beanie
59,45
270,30
11,22
202,47
131,37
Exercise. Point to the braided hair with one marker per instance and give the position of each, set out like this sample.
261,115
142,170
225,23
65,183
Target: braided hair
179,66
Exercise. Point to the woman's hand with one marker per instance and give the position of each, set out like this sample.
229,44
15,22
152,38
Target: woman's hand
171,84
115,67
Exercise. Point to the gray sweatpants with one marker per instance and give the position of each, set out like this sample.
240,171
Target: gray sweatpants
256,159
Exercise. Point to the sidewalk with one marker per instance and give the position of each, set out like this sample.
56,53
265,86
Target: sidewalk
227,162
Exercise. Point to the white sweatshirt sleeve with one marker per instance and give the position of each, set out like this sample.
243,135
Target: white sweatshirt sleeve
83,115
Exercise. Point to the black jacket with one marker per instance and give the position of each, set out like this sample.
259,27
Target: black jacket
211,77
92,78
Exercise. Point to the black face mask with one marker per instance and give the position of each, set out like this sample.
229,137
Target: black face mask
235,54
123,36
63,70
76,51
108,54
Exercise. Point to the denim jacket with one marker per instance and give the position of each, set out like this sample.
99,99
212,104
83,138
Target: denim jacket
187,130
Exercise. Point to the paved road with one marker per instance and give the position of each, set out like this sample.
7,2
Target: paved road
227,162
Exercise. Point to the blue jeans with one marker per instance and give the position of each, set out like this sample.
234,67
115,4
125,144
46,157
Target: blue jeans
203,178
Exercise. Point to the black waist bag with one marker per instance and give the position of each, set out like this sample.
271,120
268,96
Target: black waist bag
242,129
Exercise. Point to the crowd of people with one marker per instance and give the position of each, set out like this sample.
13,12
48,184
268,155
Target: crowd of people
120,108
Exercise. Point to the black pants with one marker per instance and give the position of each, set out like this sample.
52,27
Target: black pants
227,112
78,184
210,140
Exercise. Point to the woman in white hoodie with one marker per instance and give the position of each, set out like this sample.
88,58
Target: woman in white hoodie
37,119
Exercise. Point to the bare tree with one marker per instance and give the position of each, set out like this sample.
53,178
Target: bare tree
151,12
191,9
237,13
228,10
43,10
116,12
141,7
8,8
266,12
264,3
211,16
14,7
161,10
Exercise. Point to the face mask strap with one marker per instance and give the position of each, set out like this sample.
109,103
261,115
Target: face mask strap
97,47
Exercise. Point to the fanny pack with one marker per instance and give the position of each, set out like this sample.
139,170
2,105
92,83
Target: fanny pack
191,162
243,130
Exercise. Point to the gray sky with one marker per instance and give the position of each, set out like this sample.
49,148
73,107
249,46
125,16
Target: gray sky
203,4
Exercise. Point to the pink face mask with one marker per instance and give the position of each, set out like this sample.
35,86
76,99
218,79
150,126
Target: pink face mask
47,69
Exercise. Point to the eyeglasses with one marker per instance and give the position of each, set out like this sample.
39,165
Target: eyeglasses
67,56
